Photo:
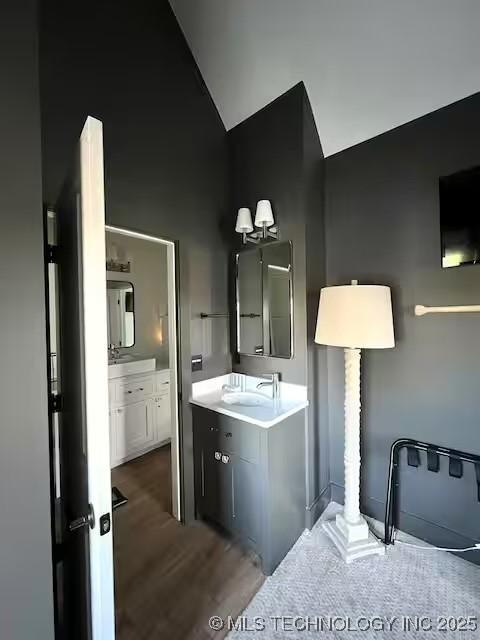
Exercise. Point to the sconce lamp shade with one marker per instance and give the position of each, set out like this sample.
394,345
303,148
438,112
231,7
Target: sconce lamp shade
264,214
244,221
355,316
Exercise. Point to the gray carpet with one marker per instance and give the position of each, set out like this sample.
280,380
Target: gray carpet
370,598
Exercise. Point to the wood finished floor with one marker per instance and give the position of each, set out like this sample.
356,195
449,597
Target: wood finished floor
170,578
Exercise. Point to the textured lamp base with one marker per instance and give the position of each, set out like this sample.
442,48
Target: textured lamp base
354,541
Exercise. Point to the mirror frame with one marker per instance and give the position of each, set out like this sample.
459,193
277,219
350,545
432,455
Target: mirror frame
134,320
265,302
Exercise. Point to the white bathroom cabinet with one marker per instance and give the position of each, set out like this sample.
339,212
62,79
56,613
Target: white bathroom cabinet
140,414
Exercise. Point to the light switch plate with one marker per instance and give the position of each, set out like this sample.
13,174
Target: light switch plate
197,363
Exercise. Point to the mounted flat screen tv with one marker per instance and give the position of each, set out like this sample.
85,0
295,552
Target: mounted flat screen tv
460,218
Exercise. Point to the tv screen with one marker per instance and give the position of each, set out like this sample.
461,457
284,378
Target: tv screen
460,218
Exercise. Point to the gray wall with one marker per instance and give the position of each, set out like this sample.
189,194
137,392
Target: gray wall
276,154
26,600
368,66
266,153
165,151
383,227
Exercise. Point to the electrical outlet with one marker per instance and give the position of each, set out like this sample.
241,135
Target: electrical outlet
197,363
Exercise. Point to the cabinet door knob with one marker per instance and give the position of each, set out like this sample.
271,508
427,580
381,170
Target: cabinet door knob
218,455
129,391
213,429
140,388
228,434
225,459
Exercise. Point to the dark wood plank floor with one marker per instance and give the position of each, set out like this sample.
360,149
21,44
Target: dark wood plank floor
170,578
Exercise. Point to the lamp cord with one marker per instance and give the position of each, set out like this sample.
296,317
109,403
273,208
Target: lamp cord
429,548
476,547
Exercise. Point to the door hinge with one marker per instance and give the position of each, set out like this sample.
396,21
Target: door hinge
55,403
52,254
58,552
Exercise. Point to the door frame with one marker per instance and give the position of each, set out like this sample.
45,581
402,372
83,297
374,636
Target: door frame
173,333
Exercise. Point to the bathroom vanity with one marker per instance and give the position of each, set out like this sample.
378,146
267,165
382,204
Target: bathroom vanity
140,408
250,462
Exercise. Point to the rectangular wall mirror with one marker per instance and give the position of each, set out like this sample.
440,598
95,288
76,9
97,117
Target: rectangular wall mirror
264,301
121,313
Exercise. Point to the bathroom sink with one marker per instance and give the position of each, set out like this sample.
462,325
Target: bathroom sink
246,399
130,365
120,359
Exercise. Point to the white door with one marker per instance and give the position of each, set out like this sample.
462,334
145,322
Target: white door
87,585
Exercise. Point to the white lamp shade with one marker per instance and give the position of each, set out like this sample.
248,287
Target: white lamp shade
264,214
244,221
355,316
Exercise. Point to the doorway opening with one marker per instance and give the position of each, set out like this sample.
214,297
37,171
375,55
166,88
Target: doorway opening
143,404
143,357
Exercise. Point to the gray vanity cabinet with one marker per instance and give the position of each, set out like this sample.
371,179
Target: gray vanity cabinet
251,480
246,500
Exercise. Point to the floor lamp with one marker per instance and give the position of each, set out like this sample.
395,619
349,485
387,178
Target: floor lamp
354,317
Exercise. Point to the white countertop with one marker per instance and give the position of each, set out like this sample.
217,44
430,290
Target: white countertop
128,365
208,394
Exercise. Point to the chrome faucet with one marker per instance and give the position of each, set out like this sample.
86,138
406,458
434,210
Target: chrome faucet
274,382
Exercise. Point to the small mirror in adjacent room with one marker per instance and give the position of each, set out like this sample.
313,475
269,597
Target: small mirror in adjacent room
121,313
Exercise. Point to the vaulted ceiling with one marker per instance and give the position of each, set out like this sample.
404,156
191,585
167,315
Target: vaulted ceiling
368,65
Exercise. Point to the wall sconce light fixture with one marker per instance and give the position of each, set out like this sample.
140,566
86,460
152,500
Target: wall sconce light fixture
120,267
244,224
264,217
264,220
117,259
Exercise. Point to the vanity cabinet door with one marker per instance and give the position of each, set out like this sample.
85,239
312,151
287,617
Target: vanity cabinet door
217,487
246,502
163,417
134,428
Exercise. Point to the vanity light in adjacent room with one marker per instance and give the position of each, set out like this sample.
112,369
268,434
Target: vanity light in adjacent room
354,317
264,216
117,259
244,223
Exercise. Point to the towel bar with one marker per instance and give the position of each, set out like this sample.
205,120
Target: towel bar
214,315
421,310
